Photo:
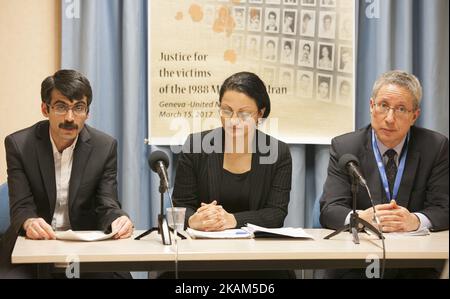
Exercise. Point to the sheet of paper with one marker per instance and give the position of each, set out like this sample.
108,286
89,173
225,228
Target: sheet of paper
420,232
83,235
226,234
293,232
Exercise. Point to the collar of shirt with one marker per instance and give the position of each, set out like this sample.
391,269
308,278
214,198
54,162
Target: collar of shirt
55,149
383,149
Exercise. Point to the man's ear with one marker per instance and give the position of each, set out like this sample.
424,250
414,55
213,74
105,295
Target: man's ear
372,103
416,115
44,109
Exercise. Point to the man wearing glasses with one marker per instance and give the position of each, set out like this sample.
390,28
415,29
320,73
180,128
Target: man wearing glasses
61,172
406,167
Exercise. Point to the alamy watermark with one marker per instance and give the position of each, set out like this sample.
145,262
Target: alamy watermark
373,9
238,136
72,10
373,267
73,267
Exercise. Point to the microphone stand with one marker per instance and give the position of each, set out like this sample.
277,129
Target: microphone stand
355,220
163,227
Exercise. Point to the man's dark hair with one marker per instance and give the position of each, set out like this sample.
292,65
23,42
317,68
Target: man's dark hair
252,86
308,46
72,84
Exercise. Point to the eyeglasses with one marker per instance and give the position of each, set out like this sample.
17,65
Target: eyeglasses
242,115
399,111
62,109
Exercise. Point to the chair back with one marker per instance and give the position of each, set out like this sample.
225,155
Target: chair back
4,208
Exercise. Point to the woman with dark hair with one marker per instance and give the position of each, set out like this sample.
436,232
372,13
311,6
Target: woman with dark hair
240,175
325,61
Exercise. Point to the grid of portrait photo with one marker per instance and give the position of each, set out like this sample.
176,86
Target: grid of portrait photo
305,45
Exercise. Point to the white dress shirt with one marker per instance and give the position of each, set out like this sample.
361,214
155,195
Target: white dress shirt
63,169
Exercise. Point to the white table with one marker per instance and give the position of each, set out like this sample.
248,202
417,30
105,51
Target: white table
148,254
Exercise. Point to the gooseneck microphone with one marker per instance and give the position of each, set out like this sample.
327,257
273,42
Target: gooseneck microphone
350,163
159,162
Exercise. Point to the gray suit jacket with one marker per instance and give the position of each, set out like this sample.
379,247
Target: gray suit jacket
199,175
93,203
423,188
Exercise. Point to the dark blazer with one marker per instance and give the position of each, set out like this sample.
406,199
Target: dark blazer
423,188
93,203
199,175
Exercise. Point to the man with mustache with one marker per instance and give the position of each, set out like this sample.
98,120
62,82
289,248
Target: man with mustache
61,172
406,169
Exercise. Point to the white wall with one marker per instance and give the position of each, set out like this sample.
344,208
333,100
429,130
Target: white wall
29,51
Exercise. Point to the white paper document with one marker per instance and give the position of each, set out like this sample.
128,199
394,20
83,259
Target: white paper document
225,234
88,236
419,232
292,232
251,231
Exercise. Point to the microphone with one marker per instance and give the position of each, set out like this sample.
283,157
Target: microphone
350,163
159,162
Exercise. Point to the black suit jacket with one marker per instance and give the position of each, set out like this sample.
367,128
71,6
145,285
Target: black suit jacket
423,188
93,203
199,175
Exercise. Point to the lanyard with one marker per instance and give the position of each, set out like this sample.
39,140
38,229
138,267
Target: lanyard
381,169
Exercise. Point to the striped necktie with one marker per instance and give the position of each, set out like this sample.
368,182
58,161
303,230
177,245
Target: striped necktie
391,168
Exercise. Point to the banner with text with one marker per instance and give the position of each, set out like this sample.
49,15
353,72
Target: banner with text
302,49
